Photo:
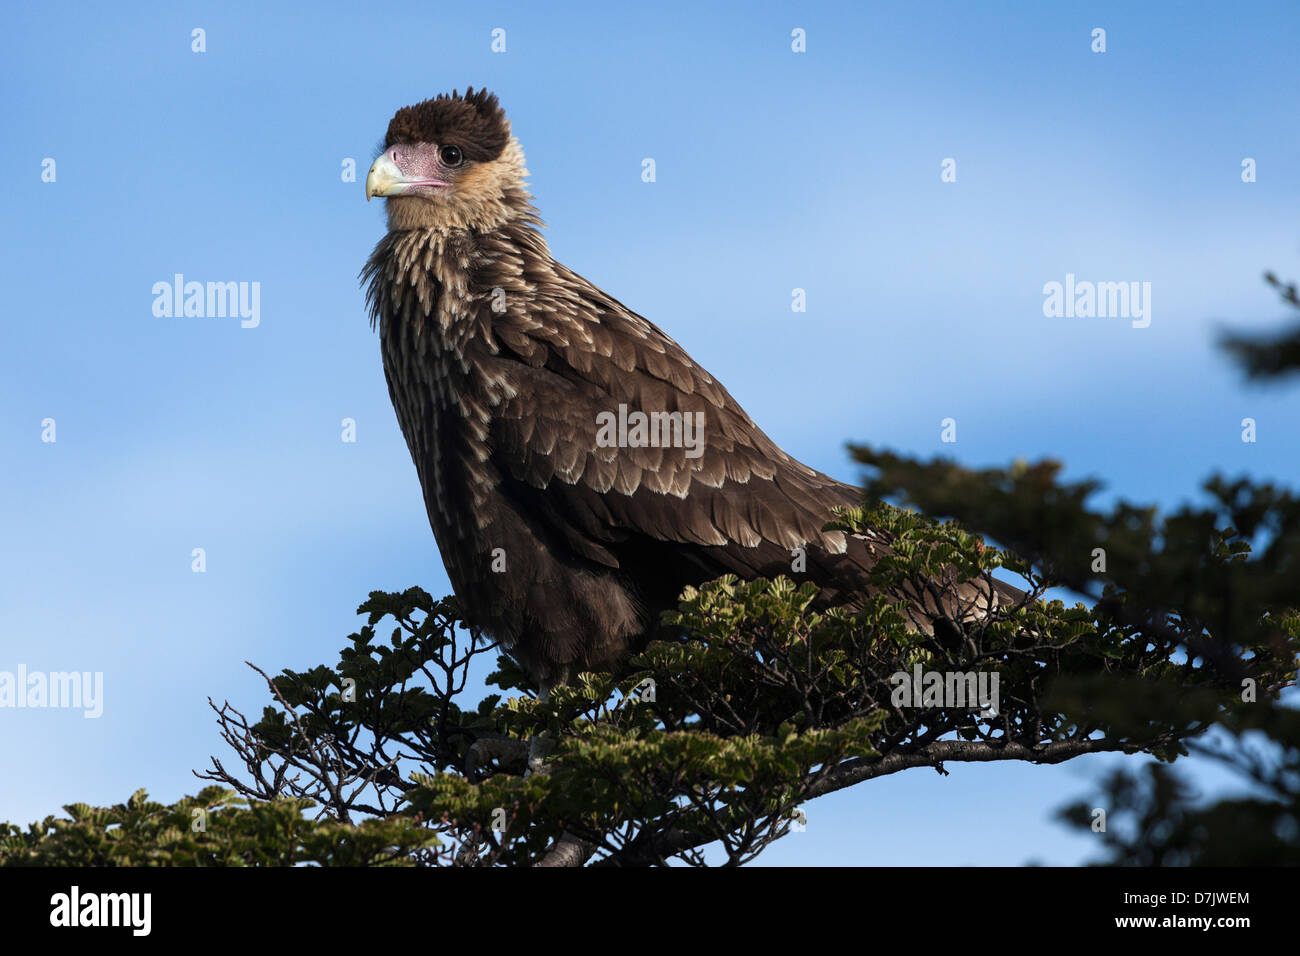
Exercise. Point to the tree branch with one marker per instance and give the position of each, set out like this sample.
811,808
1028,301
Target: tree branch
658,847
569,850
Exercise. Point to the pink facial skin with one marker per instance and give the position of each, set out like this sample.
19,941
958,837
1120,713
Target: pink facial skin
423,170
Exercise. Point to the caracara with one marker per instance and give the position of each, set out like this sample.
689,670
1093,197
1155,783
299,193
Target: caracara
579,468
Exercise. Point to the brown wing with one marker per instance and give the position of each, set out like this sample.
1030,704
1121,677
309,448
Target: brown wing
741,506
734,500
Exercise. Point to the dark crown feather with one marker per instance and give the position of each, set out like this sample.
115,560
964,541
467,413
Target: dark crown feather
475,122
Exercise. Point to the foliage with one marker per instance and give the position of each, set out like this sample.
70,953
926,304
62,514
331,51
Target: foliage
212,828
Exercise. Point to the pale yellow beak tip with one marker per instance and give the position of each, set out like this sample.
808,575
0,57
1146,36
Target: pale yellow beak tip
384,178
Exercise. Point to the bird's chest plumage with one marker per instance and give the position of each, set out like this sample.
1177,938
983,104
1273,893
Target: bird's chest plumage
428,333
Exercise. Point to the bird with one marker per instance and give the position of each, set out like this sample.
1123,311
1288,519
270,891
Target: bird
579,469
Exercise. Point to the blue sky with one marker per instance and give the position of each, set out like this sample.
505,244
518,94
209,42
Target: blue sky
775,170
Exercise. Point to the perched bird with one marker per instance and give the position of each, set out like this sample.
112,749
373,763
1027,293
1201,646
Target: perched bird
579,468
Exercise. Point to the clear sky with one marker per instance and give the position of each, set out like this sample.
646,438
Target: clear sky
775,170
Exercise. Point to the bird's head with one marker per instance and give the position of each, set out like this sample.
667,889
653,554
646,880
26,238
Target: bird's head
450,163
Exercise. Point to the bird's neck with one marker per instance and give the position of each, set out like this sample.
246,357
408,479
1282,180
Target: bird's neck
451,282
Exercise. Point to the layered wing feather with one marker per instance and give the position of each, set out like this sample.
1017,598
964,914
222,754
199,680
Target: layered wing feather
578,355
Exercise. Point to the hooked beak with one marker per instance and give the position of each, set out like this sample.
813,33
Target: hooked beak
386,179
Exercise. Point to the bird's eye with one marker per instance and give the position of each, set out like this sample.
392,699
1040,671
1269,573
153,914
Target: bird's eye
451,155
